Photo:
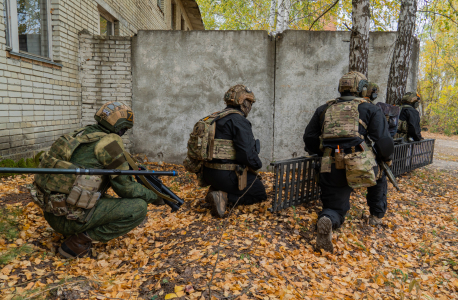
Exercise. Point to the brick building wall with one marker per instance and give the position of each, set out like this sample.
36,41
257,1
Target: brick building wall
39,101
106,74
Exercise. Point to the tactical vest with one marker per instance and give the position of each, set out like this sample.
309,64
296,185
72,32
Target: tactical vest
203,147
341,120
59,157
66,194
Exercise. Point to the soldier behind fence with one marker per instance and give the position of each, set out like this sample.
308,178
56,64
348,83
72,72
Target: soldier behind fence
223,153
409,126
76,206
339,131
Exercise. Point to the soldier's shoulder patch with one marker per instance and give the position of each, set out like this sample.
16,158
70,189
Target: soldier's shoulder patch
109,151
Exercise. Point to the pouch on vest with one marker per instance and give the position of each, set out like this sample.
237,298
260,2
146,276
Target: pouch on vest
360,169
326,162
86,191
56,204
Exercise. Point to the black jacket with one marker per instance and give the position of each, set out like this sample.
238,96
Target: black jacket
377,131
238,129
412,116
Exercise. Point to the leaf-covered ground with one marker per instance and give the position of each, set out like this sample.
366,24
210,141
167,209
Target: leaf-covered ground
253,254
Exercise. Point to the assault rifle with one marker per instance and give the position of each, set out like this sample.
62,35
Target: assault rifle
155,184
152,182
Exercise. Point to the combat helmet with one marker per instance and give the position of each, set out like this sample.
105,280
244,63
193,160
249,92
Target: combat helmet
353,82
237,94
410,98
115,116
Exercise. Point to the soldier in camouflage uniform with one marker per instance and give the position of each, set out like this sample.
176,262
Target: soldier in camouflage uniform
339,132
409,126
77,206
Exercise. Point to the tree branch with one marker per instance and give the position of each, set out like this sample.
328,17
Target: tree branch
436,13
325,12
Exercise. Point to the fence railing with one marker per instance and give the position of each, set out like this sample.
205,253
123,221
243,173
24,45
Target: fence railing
410,156
296,178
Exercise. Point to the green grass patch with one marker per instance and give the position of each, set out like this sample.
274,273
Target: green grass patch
12,253
9,222
9,231
22,163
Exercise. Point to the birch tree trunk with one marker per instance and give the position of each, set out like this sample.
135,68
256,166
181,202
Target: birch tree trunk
359,39
287,8
400,62
273,6
280,15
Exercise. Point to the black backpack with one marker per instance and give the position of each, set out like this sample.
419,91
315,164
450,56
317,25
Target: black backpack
391,113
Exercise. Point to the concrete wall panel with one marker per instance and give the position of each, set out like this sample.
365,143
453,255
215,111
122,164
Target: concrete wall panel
308,67
180,77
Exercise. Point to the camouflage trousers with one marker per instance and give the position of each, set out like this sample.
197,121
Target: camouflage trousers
111,218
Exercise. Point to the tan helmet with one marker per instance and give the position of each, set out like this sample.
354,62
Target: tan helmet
353,82
410,98
237,94
115,116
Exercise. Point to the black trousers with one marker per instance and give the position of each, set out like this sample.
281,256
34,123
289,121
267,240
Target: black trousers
226,181
335,195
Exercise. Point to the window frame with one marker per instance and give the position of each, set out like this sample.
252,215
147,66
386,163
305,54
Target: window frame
13,32
107,16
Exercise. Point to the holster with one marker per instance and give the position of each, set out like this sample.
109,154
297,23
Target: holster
241,173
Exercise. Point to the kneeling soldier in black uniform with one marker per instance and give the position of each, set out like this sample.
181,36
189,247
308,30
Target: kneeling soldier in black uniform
339,131
224,154
409,126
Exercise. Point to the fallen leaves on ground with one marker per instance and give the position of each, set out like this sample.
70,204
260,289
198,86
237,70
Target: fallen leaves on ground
261,255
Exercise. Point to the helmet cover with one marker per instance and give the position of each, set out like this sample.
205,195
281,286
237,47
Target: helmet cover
410,98
354,82
115,116
372,87
237,94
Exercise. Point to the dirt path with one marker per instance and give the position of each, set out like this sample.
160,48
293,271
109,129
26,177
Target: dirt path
445,151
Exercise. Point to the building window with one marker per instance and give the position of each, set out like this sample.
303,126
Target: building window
107,23
32,26
106,27
28,26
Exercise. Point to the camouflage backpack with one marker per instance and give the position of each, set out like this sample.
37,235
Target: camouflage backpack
341,120
202,145
50,191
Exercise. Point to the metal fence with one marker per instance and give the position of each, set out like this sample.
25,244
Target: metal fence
296,178
410,156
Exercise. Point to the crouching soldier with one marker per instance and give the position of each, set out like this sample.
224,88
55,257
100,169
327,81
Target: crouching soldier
409,126
224,154
339,131
76,206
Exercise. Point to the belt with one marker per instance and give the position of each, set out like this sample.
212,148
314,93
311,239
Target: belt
227,167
